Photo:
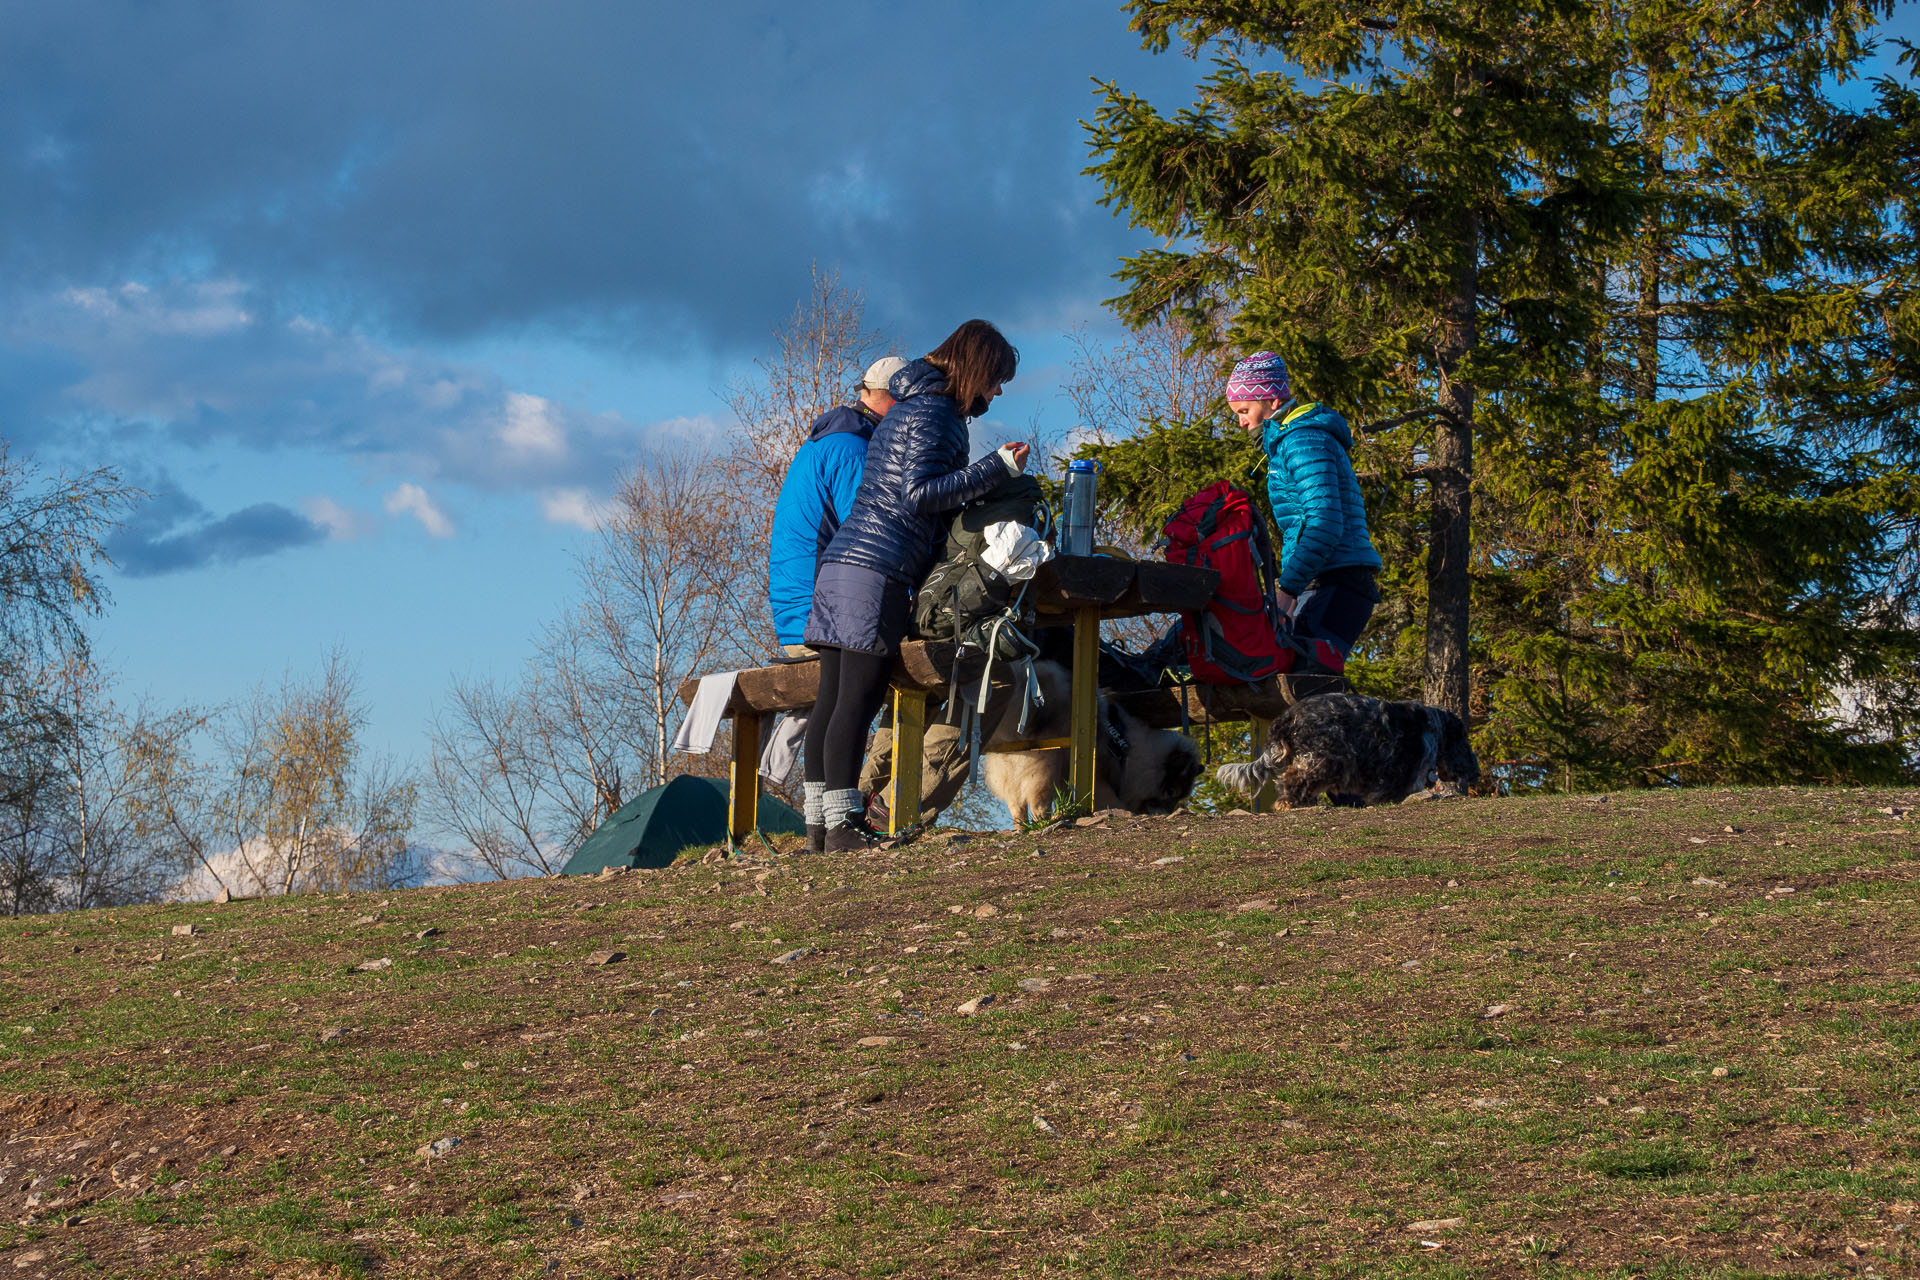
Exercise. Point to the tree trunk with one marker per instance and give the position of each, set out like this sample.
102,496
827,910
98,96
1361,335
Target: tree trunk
1446,679
1449,586
1646,382
1646,388
660,739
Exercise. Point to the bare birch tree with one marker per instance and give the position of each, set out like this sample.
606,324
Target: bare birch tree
29,791
1152,374
522,774
666,590
498,782
103,855
289,804
52,547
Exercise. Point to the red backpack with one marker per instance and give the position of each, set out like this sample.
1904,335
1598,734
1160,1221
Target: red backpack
1238,638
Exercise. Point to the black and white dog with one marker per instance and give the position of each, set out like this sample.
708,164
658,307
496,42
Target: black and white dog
1137,768
1358,750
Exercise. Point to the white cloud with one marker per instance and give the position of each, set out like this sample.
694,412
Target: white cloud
530,429
254,870
411,499
577,507
198,310
343,524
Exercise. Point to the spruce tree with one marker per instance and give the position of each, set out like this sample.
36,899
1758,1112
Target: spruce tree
1415,232
1711,588
1683,393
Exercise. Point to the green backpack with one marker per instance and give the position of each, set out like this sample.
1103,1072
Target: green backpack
966,600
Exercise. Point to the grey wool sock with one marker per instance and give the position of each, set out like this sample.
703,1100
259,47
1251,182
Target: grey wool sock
811,803
836,805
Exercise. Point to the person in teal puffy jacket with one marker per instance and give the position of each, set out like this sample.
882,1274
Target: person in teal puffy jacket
1327,561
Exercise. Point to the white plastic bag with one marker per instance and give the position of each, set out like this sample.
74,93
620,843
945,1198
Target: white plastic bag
1014,550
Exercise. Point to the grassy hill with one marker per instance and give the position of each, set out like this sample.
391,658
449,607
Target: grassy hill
1645,1034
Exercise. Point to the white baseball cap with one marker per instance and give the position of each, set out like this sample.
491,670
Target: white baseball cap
881,372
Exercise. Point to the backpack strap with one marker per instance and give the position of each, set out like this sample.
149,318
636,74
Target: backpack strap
1209,519
953,677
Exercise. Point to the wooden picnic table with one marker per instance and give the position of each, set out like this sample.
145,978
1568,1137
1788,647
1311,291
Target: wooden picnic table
1082,590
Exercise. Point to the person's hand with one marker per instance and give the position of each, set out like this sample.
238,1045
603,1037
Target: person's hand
1014,455
1285,604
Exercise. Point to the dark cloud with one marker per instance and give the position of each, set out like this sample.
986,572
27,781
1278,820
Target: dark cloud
172,532
662,175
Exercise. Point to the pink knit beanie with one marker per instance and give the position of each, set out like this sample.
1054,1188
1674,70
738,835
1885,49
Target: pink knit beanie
1261,376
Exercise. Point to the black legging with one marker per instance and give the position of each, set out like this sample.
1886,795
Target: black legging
853,688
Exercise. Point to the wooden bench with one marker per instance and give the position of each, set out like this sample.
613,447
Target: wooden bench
1081,590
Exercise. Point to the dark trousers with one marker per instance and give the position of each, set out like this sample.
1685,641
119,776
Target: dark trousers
1335,607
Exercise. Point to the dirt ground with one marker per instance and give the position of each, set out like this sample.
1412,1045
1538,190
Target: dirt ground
1666,1034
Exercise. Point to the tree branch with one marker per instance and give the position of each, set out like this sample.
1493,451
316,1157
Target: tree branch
1398,420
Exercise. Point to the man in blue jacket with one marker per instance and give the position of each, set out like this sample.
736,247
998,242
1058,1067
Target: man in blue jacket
1327,560
815,498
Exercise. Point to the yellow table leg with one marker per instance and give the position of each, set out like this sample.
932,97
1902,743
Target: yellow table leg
1086,704
909,733
1257,731
743,791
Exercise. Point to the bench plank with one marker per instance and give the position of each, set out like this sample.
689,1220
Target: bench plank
1224,703
922,665
1068,584
1159,587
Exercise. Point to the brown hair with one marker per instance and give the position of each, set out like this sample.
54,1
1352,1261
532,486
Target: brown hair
975,357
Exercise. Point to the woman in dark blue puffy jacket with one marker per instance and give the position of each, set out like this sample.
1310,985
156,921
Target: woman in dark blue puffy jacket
916,476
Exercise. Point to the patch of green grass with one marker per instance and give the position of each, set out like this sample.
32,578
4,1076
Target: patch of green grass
1644,1162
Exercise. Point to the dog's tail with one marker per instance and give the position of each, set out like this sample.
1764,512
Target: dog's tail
1249,778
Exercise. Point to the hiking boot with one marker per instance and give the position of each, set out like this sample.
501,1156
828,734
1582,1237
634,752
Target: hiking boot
816,837
852,835
878,815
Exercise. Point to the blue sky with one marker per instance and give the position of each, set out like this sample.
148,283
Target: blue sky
371,297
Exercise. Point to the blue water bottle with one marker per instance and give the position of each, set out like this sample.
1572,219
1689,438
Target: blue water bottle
1076,518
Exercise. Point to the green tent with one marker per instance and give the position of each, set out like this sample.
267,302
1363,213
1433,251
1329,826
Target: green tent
651,828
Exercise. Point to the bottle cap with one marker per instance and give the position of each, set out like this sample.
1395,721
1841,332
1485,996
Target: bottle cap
1083,464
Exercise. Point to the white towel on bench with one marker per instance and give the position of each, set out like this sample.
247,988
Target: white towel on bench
703,718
